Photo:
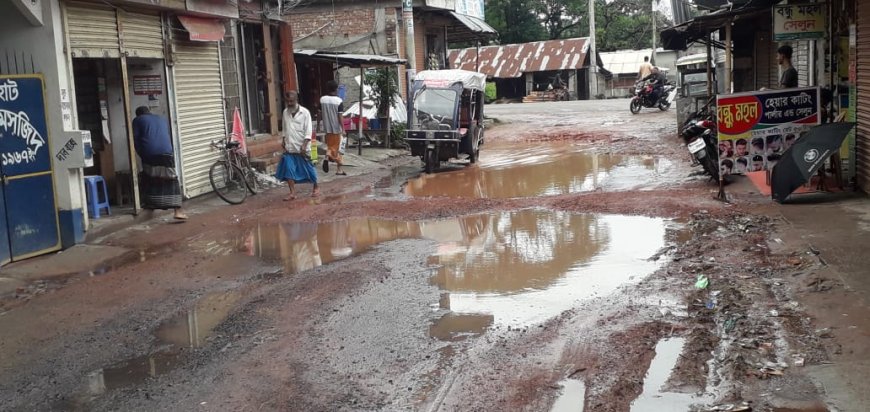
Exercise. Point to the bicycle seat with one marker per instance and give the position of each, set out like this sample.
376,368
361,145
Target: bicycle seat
232,144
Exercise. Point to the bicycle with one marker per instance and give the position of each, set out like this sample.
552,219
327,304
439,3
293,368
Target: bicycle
231,176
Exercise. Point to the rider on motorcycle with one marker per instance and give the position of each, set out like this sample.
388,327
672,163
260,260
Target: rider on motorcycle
658,80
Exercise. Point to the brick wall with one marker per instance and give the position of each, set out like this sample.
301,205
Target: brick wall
342,24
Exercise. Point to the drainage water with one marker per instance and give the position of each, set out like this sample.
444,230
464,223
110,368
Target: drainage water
539,170
518,267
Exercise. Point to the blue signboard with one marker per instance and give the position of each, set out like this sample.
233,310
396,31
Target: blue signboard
29,214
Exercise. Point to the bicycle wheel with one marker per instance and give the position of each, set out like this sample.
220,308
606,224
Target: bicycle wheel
228,181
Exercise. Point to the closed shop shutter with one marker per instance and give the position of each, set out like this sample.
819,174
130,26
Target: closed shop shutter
142,35
200,107
92,30
862,141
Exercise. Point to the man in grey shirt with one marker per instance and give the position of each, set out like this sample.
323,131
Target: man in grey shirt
789,77
331,109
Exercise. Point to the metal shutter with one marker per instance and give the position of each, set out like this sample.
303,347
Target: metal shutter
92,30
862,140
200,107
142,35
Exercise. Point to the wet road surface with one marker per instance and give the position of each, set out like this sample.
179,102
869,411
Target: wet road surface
557,274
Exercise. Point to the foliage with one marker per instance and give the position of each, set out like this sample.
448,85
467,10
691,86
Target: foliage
489,93
515,21
385,88
397,134
619,24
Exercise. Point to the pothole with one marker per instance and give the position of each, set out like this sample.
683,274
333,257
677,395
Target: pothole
539,170
572,398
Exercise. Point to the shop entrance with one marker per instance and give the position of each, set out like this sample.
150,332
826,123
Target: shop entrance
106,110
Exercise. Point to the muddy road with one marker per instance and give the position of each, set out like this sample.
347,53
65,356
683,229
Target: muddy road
581,265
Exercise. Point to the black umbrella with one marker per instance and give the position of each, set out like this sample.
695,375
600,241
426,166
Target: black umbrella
806,156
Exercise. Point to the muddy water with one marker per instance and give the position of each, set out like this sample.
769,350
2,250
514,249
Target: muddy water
517,267
514,171
573,397
654,398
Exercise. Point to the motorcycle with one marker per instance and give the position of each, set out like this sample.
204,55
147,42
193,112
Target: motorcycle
701,138
643,91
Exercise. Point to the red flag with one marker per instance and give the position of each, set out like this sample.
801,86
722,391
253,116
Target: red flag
239,131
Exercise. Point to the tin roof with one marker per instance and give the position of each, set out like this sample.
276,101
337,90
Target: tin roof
512,60
624,61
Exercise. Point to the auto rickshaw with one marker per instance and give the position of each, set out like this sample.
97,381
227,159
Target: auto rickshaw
446,118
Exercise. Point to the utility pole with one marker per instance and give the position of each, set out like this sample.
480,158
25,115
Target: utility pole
410,50
593,60
654,46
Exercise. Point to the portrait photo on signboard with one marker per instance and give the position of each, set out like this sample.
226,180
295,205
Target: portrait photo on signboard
758,127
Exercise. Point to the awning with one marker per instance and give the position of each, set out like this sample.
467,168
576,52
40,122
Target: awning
203,29
471,27
350,60
681,36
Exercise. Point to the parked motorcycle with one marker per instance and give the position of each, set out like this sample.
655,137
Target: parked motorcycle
701,138
643,91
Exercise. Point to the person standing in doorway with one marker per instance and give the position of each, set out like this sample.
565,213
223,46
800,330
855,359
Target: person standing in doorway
331,108
295,165
789,77
645,69
158,181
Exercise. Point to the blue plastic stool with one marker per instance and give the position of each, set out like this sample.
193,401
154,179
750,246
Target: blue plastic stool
93,191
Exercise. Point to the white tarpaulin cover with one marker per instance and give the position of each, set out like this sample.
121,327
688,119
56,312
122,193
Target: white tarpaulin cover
398,113
444,78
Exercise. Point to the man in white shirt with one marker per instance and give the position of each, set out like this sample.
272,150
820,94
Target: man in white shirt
295,165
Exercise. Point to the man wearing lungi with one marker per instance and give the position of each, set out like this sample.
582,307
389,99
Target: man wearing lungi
295,165
331,108
158,181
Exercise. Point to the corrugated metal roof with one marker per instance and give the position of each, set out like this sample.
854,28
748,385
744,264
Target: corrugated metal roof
512,60
624,61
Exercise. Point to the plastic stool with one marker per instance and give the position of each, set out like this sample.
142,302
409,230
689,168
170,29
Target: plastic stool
93,191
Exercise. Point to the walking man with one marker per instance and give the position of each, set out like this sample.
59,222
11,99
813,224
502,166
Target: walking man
645,68
158,181
295,165
331,108
789,77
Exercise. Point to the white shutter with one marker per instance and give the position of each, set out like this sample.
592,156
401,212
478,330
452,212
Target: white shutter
200,111
142,35
862,139
92,30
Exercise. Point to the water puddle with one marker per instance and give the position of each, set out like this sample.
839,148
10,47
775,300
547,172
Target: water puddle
519,267
573,397
653,398
190,329
539,170
454,327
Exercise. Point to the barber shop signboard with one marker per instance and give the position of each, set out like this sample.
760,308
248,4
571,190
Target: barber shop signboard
799,21
756,128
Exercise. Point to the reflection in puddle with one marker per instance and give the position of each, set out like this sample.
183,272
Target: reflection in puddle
520,267
573,397
456,327
187,330
543,170
653,399
190,329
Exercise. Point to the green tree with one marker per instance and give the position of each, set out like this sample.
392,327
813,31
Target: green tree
515,21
